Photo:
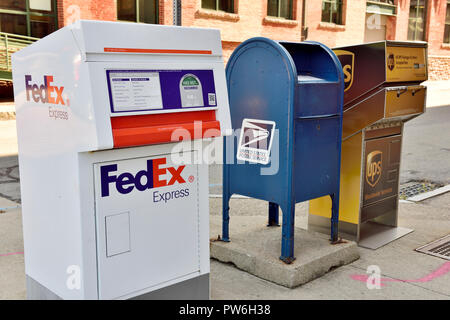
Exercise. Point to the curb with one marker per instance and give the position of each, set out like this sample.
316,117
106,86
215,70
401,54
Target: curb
429,194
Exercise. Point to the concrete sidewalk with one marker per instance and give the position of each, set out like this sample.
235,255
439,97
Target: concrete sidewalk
438,93
397,260
12,269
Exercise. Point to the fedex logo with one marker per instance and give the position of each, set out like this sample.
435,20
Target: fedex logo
145,179
45,93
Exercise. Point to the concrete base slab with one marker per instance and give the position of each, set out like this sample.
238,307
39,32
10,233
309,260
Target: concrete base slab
257,252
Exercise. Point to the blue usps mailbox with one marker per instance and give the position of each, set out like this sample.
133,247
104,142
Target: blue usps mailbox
286,109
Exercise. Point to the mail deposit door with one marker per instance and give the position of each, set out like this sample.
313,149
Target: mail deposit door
147,223
381,173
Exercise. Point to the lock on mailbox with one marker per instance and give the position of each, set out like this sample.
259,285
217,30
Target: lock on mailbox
382,92
286,104
109,210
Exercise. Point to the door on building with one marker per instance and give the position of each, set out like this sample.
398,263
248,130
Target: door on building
33,18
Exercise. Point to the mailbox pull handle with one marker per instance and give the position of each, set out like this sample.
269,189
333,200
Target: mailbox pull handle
415,91
319,117
400,92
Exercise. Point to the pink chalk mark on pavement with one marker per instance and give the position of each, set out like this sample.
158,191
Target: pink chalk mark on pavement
10,254
445,268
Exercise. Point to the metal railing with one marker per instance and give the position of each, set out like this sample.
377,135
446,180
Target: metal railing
10,43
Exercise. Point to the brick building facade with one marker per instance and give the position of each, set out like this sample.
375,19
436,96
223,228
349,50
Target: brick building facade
239,20
333,22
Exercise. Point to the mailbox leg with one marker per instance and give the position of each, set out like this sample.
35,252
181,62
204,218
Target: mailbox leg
334,217
273,215
287,239
225,217
226,191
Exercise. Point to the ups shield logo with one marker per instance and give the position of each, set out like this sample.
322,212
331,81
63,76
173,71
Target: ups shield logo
347,60
374,167
391,62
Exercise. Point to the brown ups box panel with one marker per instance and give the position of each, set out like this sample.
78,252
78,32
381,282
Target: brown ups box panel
369,66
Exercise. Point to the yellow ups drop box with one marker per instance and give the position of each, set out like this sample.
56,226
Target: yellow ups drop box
382,91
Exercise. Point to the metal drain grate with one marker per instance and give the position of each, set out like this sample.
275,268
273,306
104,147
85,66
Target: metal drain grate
439,248
414,188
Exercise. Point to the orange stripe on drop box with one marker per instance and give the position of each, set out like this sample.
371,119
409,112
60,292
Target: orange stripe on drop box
175,51
158,128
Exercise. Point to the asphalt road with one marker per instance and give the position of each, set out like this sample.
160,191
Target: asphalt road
425,154
426,147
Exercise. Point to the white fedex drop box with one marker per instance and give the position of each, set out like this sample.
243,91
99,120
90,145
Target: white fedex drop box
109,210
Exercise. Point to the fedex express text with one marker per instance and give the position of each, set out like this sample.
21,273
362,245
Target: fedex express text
146,179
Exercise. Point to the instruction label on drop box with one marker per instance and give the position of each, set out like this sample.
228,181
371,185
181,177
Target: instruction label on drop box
156,91
136,91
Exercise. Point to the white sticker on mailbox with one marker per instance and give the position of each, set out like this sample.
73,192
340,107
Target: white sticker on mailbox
255,141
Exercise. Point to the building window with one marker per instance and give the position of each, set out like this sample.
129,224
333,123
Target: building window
144,11
447,24
35,18
417,18
332,11
280,8
383,1
383,7
220,5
